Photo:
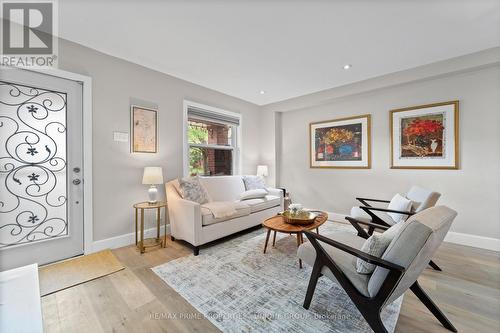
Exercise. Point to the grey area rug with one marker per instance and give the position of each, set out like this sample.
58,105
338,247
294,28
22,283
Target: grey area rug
240,289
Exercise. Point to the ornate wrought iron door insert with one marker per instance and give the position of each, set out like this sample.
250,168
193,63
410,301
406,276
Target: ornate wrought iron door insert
33,185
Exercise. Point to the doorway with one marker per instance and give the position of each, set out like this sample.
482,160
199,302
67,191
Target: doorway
41,168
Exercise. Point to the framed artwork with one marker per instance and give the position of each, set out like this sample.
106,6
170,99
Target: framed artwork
144,123
425,136
341,143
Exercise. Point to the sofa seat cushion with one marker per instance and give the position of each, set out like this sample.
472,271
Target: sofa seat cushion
207,218
361,215
344,261
256,205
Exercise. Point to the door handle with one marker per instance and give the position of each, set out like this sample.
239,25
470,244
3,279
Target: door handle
76,181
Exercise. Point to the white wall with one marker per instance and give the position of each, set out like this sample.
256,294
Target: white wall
117,172
267,144
473,190
280,139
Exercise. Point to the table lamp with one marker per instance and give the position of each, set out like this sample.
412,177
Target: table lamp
152,176
262,171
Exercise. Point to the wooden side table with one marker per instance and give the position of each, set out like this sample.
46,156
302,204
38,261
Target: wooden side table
277,224
150,242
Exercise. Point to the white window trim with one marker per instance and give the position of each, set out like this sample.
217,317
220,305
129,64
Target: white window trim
237,158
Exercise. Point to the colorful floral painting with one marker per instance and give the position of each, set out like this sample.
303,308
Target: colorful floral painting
341,143
423,136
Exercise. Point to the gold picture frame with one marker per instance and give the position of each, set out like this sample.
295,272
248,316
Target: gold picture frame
427,136
144,129
352,152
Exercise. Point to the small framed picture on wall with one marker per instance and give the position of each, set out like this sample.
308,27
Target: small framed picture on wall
341,143
425,136
144,127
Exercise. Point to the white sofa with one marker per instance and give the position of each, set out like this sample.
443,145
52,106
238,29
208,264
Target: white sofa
196,225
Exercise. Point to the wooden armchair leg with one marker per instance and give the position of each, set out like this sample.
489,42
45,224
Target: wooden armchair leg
435,266
315,275
433,308
372,317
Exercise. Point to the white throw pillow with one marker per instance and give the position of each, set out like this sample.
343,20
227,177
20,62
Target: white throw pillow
193,190
253,194
254,182
398,202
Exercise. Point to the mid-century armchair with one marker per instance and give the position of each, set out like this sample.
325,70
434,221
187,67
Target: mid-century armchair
367,218
397,270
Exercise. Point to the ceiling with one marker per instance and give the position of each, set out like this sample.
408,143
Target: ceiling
285,48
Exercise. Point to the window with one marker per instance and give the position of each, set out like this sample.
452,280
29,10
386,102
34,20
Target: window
211,141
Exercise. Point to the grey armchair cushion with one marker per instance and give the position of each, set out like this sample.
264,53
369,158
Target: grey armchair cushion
422,198
344,261
417,240
361,215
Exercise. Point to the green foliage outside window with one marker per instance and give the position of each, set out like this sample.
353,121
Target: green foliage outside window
197,135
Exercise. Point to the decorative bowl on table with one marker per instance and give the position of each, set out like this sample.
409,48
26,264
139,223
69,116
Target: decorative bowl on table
301,217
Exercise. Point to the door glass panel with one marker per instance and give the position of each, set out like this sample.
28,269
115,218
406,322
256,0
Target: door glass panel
33,189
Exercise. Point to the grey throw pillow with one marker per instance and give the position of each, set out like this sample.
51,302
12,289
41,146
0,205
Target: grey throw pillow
376,245
254,182
193,190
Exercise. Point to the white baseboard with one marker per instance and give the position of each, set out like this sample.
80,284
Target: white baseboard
123,240
481,242
336,217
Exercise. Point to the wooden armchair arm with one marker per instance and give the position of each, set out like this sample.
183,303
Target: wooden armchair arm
374,225
314,238
370,208
364,201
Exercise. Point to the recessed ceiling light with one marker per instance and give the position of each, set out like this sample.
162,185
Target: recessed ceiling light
348,66
262,92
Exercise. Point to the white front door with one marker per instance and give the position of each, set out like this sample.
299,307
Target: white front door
41,175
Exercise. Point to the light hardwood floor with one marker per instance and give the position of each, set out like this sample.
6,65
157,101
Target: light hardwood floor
136,300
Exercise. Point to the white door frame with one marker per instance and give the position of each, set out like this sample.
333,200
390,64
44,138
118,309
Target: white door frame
86,81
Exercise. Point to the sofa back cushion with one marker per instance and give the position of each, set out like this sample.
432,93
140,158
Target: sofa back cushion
223,188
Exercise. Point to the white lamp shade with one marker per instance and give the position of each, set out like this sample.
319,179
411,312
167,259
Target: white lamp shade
262,170
152,176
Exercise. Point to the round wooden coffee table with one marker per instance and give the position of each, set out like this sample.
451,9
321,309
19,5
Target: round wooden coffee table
277,224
